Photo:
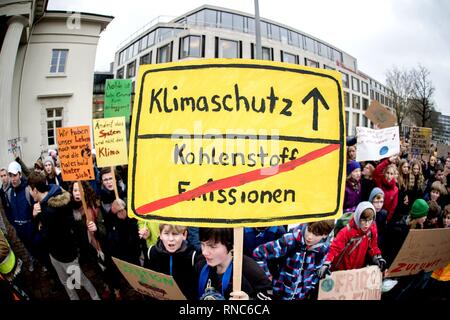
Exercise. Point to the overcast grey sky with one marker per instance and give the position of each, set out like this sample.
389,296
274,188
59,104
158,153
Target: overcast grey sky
380,34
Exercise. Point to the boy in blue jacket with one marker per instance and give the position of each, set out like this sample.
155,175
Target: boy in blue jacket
304,249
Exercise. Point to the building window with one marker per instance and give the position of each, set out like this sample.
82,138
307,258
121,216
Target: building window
131,69
371,94
228,49
365,121
355,84
345,80
365,87
120,73
238,22
164,54
382,99
54,121
346,99
191,47
267,53
146,59
311,63
377,96
346,121
328,67
59,59
210,18
355,122
226,20
293,38
289,57
356,102
365,104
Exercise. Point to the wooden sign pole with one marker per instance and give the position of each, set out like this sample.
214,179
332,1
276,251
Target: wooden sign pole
83,201
238,250
116,192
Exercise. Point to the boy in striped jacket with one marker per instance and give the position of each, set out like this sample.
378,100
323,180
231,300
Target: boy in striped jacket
302,252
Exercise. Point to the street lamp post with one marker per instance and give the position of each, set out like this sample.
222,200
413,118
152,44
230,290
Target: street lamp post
258,49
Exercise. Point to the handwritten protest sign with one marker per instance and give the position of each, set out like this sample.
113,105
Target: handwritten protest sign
422,250
110,141
380,115
210,146
117,98
356,284
376,144
419,141
145,281
74,145
15,146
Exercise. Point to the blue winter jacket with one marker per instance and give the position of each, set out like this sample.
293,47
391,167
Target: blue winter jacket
298,274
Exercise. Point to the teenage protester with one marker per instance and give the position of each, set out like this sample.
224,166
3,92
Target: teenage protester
384,176
354,242
351,153
10,268
416,182
377,199
367,182
51,176
215,270
85,230
6,185
172,255
19,211
148,235
438,193
352,194
396,233
52,209
438,176
303,251
403,188
430,169
121,238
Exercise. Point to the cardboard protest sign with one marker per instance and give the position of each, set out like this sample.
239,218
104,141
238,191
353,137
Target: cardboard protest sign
422,250
110,141
210,146
74,145
356,284
157,285
419,141
443,150
117,98
376,144
15,147
380,115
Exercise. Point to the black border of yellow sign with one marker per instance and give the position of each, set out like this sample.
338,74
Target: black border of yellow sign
289,138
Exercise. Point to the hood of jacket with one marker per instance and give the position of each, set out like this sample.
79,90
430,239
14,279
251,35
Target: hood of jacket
360,209
56,197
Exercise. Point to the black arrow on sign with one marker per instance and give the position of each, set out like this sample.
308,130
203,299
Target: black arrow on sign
316,95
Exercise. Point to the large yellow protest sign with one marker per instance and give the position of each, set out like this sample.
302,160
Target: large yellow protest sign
236,142
110,141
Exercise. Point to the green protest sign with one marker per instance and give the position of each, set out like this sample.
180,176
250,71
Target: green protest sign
117,98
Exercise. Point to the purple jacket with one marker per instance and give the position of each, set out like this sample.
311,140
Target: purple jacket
352,197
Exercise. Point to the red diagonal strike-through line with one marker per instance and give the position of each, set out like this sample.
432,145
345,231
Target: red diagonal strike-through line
236,180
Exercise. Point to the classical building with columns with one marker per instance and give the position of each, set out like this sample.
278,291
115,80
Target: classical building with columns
46,74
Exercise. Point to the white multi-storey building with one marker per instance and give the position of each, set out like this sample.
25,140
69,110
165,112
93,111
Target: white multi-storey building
47,63
215,32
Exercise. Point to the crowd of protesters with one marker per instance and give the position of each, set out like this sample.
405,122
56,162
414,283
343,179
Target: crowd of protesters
62,224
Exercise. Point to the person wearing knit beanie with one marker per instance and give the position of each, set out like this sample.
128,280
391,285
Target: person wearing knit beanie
49,159
375,191
419,209
352,165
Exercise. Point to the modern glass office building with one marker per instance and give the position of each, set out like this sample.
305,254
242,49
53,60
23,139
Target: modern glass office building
215,32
